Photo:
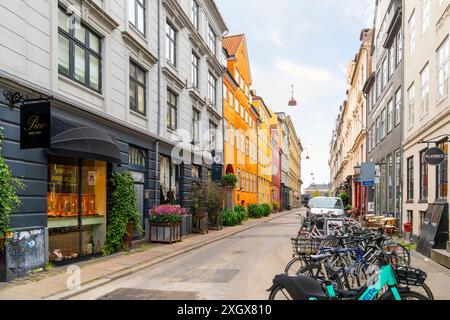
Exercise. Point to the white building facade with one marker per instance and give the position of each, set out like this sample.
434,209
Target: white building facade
427,107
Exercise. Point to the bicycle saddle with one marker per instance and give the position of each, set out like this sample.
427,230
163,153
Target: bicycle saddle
301,287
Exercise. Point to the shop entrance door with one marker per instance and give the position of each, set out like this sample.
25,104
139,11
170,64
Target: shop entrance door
139,182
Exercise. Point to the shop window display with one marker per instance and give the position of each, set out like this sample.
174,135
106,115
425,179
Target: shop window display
76,208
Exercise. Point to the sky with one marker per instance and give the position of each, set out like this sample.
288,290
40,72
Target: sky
308,43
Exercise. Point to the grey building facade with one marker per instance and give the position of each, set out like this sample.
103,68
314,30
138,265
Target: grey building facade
384,95
108,67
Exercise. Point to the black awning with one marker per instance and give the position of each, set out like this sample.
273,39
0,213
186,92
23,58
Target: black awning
80,141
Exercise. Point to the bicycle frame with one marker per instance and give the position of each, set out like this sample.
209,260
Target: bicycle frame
369,292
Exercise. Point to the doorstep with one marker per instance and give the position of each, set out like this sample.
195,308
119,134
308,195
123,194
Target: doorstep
441,256
96,272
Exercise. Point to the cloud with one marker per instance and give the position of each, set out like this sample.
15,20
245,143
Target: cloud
306,43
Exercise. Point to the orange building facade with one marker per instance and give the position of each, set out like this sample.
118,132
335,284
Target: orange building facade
240,122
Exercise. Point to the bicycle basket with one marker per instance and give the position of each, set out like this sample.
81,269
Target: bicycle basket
410,276
306,246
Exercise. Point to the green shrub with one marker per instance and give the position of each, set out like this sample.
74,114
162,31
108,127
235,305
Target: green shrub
123,211
240,210
9,186
230,218
276,206
266,209
255,211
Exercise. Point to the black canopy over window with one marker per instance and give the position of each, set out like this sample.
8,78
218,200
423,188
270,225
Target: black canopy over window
80,141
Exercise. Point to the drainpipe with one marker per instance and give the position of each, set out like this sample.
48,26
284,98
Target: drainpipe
159,68
402,113
156,172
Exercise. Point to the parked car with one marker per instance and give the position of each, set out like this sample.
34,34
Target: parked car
326,207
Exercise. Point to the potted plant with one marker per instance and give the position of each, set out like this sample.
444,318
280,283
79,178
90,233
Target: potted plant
124,218
229,180
9,200
215,195
198,196
276,207
165,224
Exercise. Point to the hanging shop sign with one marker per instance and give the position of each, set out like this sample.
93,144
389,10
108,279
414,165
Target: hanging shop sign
35,125
216,172
368,174
434,156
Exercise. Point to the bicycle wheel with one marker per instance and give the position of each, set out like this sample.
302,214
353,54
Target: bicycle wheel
315,271
424,290
279,293
294,266
410,295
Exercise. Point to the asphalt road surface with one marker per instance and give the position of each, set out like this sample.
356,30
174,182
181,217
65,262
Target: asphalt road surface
240,267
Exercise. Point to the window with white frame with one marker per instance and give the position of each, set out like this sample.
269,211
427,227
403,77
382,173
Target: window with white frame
212,88
212,136
390,116
443,69
391,61
225,130
425,88
212,38
412,33
425,14
231,135
137,14
398,107
195,70
383,124
171,44
399,45
411,97
195,11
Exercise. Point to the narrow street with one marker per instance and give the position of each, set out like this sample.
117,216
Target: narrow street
240,267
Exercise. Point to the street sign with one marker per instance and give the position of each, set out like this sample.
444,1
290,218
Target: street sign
368,174
434,156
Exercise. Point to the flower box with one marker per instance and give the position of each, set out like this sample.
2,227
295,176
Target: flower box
165,233
165,224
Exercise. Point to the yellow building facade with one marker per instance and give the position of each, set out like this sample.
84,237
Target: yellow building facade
295,157
265,191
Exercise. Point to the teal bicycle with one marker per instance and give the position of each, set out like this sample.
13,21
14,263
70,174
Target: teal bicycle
381,285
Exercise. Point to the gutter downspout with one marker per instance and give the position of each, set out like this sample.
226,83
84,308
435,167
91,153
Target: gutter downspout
157,173
159,69
402,113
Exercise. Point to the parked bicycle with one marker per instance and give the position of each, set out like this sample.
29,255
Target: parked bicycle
343,262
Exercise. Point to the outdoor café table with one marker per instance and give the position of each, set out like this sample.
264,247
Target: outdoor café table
390,221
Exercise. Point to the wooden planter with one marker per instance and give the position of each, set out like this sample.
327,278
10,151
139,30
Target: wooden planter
128,238
164,233
200,223
216,222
